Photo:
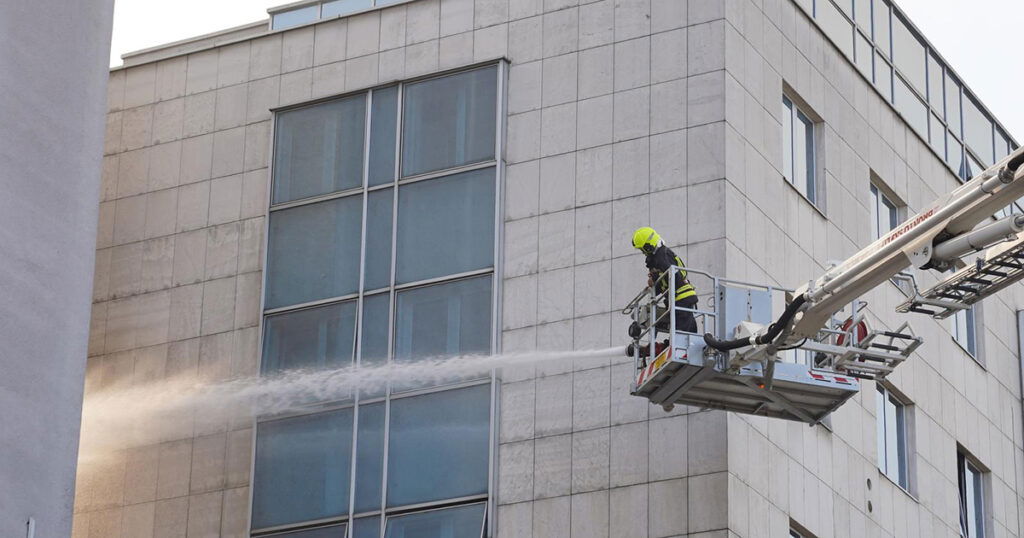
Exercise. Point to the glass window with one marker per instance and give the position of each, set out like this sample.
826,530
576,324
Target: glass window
1003,146
938,135
313,252
295,17
974,167
333,531
444,319
881,27
378,238
953,105
891,436
319,149
910,106
798,149
375,328
935,82
437,448
972,503
884,213
836,26
908,54
366,527
459,522
977,131
383,135
445,226
321,337
369,457
883,77
864,54
955,155
964,330
302,466
862,14
344,7
449,121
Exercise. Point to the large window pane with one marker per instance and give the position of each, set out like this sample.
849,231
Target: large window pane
803,155
383,135
911,107
836,26
369,457
460,522
449,121
977,131
313,252
322,337
446,225
378,239
862,12
438,446
908,54
344,7
302,468
938,135
319,149
375,328
444,319
864,54
954,154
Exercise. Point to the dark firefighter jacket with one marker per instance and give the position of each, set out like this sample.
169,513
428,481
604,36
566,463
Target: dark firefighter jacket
659,261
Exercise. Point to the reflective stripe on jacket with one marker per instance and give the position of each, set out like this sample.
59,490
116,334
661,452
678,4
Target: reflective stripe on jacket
663,258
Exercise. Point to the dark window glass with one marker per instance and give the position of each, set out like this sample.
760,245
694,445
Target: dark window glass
375,328
334,531
449,121
344,7
972,504
319,149
383,135
445,226
366,527
378,239
437,448
313,252
321,337
302,468
459,522
444,319
369,457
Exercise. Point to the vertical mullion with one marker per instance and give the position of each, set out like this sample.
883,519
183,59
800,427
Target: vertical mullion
359,312
392,302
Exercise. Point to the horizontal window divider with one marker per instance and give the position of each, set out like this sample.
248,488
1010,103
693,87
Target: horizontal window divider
315,199
448,171
438,388
376,291
310,304
381,187
435,505
309,409
300,526
446,278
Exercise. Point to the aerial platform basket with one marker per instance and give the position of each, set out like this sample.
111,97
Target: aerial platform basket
805,383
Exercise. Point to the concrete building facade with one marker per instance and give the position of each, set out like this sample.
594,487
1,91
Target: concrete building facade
762,138
52,104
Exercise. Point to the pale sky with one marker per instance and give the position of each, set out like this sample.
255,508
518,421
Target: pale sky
978,38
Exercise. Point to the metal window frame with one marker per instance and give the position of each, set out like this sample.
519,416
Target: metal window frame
902,432
488,499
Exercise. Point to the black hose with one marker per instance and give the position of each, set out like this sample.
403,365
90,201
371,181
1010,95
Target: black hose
771,334
1014,163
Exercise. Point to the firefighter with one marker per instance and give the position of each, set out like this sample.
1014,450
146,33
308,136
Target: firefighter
659,259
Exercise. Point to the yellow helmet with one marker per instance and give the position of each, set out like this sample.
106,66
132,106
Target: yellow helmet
646,239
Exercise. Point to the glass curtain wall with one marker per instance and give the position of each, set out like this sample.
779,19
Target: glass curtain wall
904,68
381,247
